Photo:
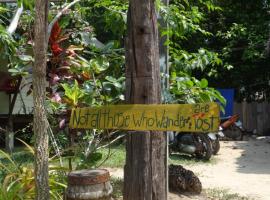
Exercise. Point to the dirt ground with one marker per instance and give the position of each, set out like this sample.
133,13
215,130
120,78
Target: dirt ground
242,167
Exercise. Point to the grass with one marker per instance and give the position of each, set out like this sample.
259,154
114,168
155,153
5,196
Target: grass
223,194
117,157
182,159
117,160
210,194
117,184
21,155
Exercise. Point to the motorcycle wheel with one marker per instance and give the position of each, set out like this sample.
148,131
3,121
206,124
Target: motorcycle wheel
215,146
207,147
233,132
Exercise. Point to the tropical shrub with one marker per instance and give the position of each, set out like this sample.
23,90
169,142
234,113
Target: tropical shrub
18,180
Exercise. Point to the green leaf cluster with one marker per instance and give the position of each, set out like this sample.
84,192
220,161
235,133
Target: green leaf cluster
190,90
18,181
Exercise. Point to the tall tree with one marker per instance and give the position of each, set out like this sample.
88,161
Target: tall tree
39,94
145,169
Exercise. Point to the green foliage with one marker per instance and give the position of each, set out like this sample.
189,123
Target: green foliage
73,93
223,41
186,19
188,89
188,62
118,186
13,47
7,44
108,17
117,156
240,34
18,182
3,12
27,4
95,148
86,162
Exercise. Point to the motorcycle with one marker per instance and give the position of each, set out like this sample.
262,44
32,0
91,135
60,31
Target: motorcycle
214,138
232,127
197,144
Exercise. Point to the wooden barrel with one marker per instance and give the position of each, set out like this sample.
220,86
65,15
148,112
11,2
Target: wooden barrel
89,185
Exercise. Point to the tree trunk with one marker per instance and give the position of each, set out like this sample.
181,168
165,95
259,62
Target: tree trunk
39,92
164,68
145,169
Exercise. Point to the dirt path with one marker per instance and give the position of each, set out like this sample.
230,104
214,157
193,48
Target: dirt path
242,167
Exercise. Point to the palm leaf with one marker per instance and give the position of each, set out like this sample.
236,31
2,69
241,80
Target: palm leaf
31,149
9,158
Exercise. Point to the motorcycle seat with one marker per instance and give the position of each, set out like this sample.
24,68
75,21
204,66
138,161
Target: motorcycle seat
223,119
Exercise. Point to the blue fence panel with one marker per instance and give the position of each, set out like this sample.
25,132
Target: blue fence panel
228,94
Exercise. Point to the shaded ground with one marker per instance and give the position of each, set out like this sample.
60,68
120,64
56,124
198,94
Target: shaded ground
241,167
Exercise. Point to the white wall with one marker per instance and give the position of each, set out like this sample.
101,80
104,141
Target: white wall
24,103
3,103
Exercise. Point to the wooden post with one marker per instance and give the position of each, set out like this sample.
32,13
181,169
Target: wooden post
9,137
145,169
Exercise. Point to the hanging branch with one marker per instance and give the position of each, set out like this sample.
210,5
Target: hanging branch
111,142
14,23
57,17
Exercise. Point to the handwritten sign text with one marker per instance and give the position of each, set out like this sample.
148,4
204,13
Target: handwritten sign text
174,117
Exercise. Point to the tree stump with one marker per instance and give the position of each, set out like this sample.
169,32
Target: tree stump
89,185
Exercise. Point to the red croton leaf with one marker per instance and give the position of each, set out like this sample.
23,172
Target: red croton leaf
55,33
56,50
54,43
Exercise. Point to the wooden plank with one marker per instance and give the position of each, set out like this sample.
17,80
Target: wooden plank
268,118
175,117
265,118
237,109
259,118
253,117
244,111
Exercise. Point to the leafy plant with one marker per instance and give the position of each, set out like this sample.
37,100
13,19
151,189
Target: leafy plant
185,19
188,89
73,93
18,183
94,148
7,44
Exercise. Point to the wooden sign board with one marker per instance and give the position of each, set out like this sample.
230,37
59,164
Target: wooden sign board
173,117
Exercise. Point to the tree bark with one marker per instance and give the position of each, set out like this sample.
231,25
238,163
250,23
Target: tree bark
145,169
39,94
